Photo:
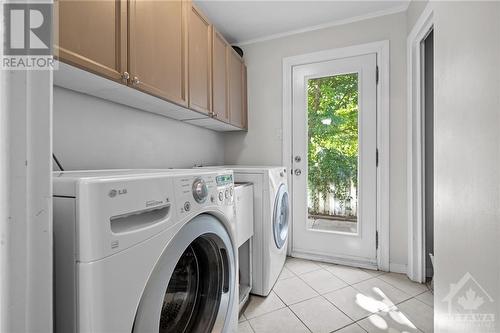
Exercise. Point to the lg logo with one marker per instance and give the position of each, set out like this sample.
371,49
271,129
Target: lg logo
113,193
28,29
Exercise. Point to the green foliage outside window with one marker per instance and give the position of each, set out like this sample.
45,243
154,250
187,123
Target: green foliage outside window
333,137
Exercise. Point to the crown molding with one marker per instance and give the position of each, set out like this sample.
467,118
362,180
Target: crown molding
390,11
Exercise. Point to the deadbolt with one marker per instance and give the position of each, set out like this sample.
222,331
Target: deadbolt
297,159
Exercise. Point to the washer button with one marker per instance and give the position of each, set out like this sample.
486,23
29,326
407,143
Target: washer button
187,206
221,196
227,193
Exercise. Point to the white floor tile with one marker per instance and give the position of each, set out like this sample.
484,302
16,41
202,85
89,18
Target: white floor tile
427,298
279,321
242,318
244,327
353,328
392,322
262,305
293,290
323,281
402,282
381,292
320,316
285,274
348,274
301,266
372,272
351,302
419,313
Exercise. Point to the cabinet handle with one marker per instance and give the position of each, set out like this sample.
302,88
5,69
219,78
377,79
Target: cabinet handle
135,80
125,77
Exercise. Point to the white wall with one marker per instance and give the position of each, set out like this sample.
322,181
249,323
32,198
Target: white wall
467,153
91,133
262,143
415,9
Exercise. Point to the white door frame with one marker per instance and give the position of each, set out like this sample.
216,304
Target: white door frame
25,200
415,181
381,48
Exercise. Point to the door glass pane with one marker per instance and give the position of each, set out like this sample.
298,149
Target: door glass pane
333,153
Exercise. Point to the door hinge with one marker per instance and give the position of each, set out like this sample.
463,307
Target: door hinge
376,158
376,240
376,75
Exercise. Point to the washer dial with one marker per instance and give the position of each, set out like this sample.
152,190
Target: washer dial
200,190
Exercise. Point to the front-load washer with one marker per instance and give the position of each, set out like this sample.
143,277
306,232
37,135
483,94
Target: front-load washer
145,251
271,218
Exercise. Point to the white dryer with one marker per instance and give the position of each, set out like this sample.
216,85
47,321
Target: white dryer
271,218
145,251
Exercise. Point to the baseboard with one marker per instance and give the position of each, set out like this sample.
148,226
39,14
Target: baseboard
397,268
335,260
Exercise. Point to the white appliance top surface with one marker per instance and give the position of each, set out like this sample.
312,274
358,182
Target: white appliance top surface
65,181
118,173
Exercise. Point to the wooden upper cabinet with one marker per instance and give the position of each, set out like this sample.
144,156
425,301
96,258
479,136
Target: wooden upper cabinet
93,35
158,48
220,52
245,98
200,64
236,97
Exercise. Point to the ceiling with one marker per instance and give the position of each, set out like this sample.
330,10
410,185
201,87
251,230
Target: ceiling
243,21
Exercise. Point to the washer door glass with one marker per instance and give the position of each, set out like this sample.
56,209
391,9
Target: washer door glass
192,298
280,216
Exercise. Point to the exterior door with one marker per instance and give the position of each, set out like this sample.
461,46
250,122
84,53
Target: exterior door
334,160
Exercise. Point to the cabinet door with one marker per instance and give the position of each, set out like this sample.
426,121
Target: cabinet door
236,116
200,64
93,35
158,48
220,52
245,98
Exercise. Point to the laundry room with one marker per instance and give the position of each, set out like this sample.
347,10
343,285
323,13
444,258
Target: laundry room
244,166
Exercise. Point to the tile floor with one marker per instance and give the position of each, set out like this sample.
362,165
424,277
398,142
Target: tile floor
317,297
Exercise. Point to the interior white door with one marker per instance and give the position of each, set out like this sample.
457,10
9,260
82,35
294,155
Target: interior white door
334,146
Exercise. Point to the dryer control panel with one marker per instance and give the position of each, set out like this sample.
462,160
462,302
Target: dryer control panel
204,189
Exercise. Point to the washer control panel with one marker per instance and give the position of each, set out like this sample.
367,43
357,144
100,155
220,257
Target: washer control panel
204,189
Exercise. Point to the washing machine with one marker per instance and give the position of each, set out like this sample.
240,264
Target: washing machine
271,222
145,251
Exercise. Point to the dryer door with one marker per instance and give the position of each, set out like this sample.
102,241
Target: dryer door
280,217
192,287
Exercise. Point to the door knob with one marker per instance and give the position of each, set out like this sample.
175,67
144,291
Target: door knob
135,80
298,172
297,159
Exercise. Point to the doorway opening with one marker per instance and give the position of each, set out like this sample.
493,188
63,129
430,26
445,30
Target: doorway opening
421,148
428,122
